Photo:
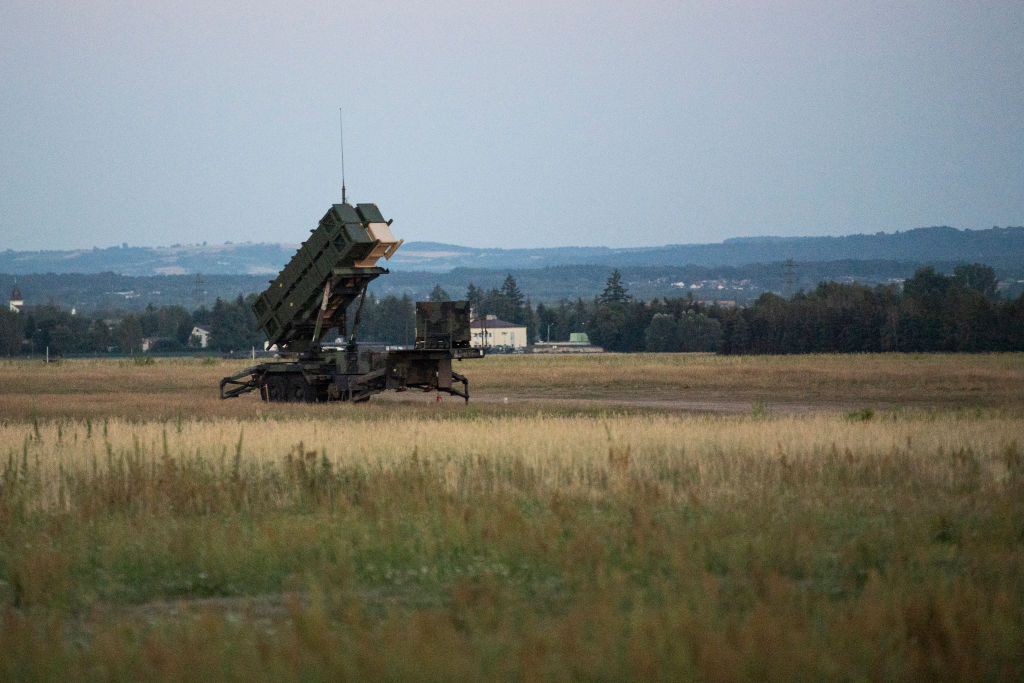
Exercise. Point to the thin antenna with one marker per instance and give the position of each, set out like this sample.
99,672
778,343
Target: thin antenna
197,291
341,129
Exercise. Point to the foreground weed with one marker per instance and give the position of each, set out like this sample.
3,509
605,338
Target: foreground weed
862,415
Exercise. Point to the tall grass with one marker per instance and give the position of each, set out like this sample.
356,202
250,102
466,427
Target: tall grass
562,452
371,543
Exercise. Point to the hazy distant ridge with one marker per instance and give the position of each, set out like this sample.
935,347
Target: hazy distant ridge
1001,248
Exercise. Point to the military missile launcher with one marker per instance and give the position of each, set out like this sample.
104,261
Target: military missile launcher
313,294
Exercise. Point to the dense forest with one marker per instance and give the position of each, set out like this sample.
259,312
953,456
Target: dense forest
164,329
930,311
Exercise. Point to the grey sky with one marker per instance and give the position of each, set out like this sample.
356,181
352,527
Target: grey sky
526,124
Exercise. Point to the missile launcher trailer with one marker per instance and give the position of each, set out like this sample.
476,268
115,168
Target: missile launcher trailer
312,295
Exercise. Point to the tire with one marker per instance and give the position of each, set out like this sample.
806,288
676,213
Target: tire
299,390
276,388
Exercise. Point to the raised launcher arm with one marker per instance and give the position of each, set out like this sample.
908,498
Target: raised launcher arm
329,271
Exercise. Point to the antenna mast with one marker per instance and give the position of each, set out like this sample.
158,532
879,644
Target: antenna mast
341,130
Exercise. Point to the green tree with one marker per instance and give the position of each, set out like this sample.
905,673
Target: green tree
233,325
547,322
735,330
100,337
183,331
605,324
697,332
60,331
977,277
638,317
529,319
438,294
614,292
150,321
615,325
662,334
396,320
171,325
513,301
607,327
128,334
12,332
391,320
924,325
475,297
927,286
507,303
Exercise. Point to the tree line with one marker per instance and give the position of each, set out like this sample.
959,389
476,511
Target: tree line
929,312
38,329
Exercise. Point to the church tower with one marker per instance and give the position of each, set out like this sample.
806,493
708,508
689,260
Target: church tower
17,303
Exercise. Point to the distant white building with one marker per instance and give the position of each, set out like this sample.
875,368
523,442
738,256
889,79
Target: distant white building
200,337
491,332
17,303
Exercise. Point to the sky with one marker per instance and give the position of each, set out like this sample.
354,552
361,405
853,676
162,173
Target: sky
522,124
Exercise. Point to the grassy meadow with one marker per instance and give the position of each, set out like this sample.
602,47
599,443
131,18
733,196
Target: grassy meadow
618,517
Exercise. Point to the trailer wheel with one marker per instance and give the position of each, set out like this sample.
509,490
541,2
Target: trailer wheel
277,388
299,390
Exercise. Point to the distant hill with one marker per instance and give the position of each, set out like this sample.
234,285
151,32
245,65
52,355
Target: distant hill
1001,248
224,259
130,278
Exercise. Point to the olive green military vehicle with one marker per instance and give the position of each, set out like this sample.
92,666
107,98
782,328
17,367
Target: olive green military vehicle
313,294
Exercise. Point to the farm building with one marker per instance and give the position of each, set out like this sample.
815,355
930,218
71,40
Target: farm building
200,337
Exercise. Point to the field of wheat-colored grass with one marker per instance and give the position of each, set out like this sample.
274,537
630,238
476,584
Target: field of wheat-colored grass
149,530
561,452
169,388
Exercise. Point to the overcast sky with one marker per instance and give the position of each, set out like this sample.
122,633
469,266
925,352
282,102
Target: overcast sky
521,124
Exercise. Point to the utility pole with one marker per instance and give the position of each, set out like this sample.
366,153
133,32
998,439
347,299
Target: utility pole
787,279
197,291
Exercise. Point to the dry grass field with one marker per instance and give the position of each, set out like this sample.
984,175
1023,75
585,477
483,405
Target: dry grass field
618,517
697,383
